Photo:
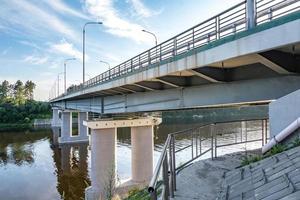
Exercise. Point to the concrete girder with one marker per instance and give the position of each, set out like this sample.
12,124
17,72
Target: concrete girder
128,90
268,63
144,87
166,82
210,79
218,94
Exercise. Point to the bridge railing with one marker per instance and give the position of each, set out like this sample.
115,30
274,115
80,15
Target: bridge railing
183,147
227,23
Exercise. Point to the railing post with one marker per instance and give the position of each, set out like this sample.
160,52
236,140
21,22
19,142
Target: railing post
212,141
250,14
166,178
171,168
149,57
174,161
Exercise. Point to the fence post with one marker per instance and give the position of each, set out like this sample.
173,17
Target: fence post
212,141
171,168
174,161
166,178
250,14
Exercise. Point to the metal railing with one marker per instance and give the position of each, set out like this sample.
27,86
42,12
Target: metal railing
195,143
227,23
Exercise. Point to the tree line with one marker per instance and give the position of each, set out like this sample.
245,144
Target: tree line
17,104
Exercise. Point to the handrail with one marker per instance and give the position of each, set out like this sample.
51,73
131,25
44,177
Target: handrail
166,165
235,21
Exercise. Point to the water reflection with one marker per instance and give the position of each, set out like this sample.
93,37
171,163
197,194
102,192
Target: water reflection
17,148
71,162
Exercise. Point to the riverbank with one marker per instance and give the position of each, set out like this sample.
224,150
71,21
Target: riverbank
203,179
8,127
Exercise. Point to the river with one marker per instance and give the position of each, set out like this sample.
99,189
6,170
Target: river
33,167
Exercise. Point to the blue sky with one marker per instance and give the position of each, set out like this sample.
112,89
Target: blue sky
37,35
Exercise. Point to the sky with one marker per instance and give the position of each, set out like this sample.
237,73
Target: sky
36,36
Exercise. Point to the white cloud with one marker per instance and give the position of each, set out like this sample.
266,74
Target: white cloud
141,10
61,7
104,10
66,48
38,20
35,60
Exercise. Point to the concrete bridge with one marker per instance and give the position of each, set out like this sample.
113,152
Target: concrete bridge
247,54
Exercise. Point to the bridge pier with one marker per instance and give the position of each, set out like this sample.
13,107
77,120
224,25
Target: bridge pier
66,128
141,154
103,154
55,118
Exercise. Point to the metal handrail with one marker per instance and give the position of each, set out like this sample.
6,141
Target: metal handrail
226,23
166,165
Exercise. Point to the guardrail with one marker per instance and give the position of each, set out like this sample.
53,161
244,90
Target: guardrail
201,140
227,23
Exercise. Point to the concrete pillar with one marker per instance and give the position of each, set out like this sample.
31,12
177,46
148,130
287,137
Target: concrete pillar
55,117
65,159
142,153
103,159
251,14
66,127
82,129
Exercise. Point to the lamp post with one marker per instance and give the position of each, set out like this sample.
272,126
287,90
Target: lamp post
65,71
83,46
58,82
152,35
108,67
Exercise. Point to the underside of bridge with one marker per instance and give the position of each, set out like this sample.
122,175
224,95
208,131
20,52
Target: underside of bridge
255,74
274,63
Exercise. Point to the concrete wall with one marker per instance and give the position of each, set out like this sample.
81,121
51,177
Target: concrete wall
284,111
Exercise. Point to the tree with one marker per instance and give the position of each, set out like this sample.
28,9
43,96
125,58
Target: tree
4,91
19,96
28,90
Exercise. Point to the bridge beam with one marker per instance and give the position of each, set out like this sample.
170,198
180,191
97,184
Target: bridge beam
166,82
268,63
208,78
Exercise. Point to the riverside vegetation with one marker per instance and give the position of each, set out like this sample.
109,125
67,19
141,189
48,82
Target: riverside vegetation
17,107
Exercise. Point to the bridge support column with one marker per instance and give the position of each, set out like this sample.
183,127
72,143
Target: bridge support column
142,154
82,129
103,164
55,117
103,145
66,127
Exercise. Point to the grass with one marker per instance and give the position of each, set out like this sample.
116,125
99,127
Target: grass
138,194
278,148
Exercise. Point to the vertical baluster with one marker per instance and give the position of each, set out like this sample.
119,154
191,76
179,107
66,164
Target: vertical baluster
192,143
212,142
174,162
215,134
166,177
171,168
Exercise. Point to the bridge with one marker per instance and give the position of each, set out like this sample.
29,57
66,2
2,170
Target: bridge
249,53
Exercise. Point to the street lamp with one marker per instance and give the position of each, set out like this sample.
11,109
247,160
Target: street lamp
65,71
152,35
108,67
58,82
105,63
83,46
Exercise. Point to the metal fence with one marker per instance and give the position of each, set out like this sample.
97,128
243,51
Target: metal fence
197,143
227,23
